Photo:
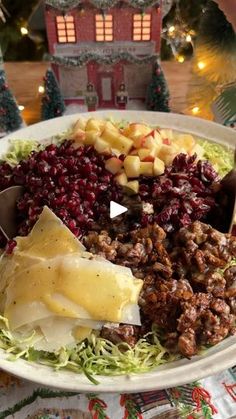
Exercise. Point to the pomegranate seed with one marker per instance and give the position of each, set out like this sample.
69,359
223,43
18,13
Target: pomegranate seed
90,196
71,224
63,213
11,244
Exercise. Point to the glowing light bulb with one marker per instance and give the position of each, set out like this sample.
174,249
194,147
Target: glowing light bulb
21,107
41,89
195,110
201,65
24,31
180,59
171,29
188,38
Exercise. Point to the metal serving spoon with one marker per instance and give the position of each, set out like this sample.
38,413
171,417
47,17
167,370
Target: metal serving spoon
228,191
9,197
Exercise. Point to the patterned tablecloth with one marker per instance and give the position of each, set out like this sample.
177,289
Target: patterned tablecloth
213,397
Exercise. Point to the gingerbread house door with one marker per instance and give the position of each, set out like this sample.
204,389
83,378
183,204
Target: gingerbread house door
106,90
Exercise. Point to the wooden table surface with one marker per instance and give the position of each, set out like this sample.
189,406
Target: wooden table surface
24,79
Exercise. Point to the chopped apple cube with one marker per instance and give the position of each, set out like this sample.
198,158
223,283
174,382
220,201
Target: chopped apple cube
152,144
123,144
132,166
110,126
146,154
185,141
136,130
158,167
133,185
78,135
146,168
167,134
117,140
80,124
143,153
91,137
166,150
121,179
102,146
114,165
157,136
94,125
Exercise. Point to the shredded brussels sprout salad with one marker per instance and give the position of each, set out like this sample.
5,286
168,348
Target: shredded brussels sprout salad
96,355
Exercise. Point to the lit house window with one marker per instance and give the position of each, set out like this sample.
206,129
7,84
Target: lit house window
104,28
66,29
142,27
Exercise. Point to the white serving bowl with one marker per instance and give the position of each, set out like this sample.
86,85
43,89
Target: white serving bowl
216,359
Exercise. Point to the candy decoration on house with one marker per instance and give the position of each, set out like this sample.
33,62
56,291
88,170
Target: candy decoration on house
105,43
157,92
10,118
122,97
91,97
214,66
52,101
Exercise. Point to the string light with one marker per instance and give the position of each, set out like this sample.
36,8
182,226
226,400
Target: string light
195,110
21,107
171,29
180,58
24,31
188,38
201,65
178,35
41,89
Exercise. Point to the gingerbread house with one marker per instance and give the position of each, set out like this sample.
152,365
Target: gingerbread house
102,51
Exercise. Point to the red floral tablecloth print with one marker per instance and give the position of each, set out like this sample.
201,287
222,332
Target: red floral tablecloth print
213,397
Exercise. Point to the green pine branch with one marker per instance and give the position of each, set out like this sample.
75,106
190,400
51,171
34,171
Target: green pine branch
42,393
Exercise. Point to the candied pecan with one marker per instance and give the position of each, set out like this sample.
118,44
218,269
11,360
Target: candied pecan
166,271
154,232
187,343
213,260
207,318
230,277
164,307
200,260
171,342
123,333
101,244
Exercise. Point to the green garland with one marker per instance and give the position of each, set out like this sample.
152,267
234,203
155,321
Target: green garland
86,57
66,5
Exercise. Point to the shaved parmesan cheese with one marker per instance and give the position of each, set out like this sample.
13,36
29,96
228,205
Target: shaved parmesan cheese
51,286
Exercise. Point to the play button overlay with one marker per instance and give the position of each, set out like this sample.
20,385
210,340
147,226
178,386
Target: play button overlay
116,209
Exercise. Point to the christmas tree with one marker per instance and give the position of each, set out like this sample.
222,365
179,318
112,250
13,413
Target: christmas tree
52,102
10,118
214,64
157,91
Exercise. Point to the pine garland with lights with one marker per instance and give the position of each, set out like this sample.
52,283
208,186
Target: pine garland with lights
85,57
214,64
52,101
10,118
157,91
